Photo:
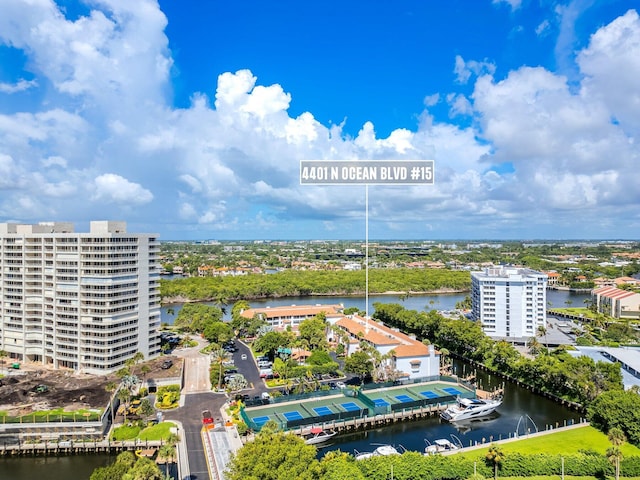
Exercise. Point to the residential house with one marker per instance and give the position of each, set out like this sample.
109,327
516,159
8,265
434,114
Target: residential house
407,355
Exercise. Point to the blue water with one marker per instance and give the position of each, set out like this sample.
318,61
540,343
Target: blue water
413,302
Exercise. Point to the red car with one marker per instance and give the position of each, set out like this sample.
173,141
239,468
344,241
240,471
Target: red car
207,418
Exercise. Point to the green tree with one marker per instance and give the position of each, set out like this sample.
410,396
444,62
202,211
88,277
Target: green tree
144,370
166,455
337,465
124,395
219,356
218,332
111,387
146,409
319,357
534,346
614,454
312,333
617,409
494,458
270,342
542,332
274,455
3,356
359,364
116,471
194,317
144,469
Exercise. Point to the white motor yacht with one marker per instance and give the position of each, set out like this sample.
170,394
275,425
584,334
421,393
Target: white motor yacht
467,408
381,450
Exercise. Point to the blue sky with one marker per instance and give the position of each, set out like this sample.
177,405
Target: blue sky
190,118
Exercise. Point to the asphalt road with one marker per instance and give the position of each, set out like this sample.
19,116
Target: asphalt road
199,397
190,415
249,369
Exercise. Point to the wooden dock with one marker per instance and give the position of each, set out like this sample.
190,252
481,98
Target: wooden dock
375,421
74,447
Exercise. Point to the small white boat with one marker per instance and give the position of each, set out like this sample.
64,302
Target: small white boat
379,451
467,408
441,445
318,435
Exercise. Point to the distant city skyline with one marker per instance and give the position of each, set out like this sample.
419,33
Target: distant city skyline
189,119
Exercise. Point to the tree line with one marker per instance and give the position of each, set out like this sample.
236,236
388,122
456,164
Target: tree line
302,283
274,455
576,379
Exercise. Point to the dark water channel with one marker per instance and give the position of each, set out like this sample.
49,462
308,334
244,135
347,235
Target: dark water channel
522,412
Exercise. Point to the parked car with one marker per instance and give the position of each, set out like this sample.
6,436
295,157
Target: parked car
207,418
167,364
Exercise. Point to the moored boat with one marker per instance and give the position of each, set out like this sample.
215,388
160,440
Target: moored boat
318,435
440,445
381,450
468,408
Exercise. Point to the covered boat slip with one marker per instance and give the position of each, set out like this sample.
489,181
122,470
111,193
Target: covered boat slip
354,404
417,395
295,414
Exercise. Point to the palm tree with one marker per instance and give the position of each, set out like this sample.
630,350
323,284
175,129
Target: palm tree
3,355
614,453
144,370
494,457
221,302
111,387
124,395
219,357
534,346
542,331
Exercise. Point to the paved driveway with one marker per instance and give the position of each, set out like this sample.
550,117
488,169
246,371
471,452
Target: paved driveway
249,369
197,397
196,368
190,416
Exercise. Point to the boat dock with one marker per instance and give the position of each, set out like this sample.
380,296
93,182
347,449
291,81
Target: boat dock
73,447
355,409
369,422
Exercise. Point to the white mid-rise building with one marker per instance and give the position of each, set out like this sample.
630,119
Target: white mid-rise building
509,302
83,301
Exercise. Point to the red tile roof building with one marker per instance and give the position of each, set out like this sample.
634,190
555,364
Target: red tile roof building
409,356
616,302
292,315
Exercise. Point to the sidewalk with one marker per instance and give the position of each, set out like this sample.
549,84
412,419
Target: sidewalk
181,448
220,442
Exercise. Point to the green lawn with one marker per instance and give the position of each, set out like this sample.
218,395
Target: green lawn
565,441
577,311
159,431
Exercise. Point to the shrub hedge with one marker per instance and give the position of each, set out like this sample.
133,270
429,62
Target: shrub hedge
412,465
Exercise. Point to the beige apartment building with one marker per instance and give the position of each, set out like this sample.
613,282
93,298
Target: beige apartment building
282,317
82,301
616,302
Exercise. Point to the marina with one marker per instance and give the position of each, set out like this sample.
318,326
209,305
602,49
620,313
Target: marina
354,409
523,412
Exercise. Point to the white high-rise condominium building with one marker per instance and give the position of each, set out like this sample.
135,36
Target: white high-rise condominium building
83,301
509,302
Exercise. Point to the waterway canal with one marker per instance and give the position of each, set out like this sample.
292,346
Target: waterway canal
558,298
518,413
522,412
